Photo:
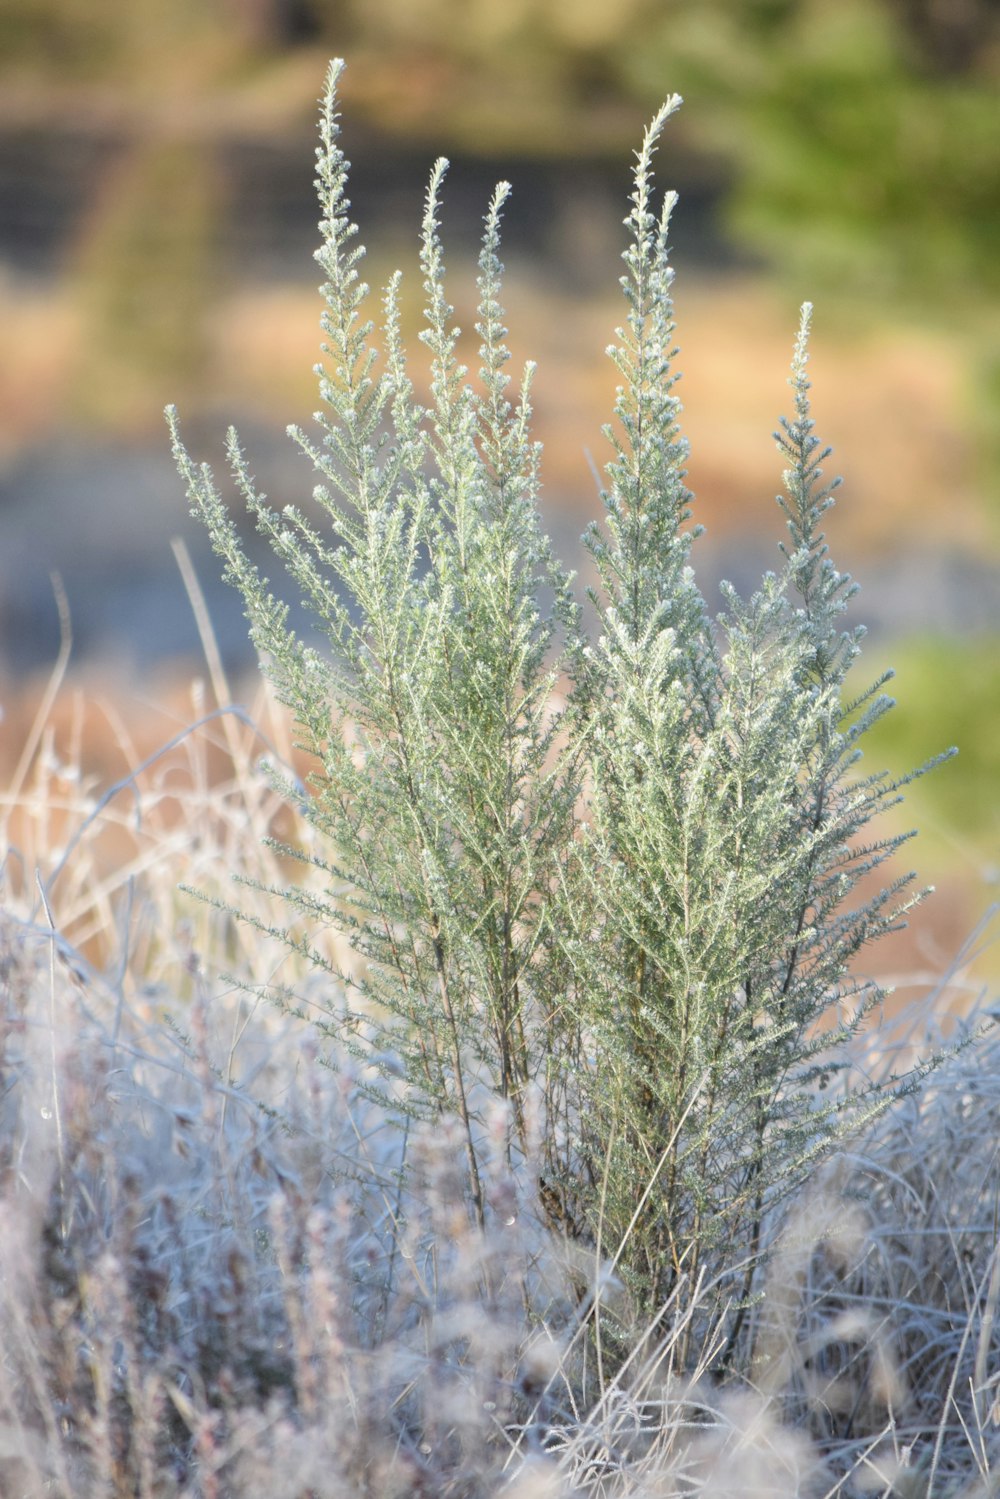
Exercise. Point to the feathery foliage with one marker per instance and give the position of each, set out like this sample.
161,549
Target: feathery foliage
618,885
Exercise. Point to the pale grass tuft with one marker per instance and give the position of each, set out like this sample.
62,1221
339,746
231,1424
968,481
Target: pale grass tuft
745,1453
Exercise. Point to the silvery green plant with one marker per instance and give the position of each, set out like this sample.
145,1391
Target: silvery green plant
613,884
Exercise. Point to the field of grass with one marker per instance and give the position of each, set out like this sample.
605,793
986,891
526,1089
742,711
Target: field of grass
215,1281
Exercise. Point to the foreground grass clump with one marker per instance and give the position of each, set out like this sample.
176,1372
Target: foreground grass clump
215,1281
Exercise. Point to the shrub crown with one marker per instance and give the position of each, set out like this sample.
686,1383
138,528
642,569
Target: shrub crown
617,884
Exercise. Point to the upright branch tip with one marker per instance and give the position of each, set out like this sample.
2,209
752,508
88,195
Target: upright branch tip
639,215
432,197
654,129
798,379
333,73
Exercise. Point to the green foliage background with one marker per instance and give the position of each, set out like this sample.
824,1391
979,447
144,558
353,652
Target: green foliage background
957,681
859,135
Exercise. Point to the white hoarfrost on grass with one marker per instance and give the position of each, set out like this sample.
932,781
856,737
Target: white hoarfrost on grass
215,1281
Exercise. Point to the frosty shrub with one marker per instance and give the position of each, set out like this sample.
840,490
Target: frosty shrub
616,884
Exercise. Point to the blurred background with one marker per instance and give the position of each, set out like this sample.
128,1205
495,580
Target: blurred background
157,223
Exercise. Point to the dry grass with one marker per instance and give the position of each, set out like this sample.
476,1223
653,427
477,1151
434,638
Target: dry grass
215,1281
896,397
